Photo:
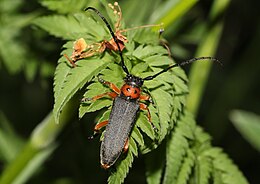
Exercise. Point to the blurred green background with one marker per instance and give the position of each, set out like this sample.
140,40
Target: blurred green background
28,58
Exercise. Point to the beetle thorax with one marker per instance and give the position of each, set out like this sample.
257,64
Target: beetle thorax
131,88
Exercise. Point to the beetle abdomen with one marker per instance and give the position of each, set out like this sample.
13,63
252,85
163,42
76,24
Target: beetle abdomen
121,120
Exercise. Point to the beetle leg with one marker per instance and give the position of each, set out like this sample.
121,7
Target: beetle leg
111,94
126,146
110,85
144,107
97,129
146,97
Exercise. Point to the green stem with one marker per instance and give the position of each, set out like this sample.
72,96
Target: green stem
19,163
200,70
42,138
177,10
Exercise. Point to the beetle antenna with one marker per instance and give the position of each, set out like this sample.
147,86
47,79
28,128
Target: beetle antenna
113,35
182,64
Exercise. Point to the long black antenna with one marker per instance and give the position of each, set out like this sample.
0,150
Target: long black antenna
113,35
182,64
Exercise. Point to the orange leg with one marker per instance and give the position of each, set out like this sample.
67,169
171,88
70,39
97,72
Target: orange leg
71,62
144,107
111,94
97,128
100,125
145,98
126,146
110,85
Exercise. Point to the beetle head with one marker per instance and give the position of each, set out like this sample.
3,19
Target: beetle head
133,81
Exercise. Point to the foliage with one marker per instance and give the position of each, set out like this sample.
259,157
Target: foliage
191,157
181,149
142,59
14,46
248,124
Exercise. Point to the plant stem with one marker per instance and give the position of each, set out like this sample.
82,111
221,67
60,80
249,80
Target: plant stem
200,70
170,12
176,11
41,138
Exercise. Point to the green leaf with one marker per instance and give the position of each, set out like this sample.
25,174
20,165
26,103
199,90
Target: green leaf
161,99
217,177
12,52
74,80
139,68
248,124
113,73
203,140
157,60
151,37
177,147
93,90
61,73
204,169
138,137
228,171
145,125
62,26
72,27
186,168
143,52
175,153
64,6
188,125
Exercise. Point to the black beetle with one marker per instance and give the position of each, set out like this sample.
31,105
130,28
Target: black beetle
125,107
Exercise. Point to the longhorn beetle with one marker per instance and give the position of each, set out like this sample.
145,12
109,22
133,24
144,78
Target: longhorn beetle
126,105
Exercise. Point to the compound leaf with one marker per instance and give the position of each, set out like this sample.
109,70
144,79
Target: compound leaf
75,80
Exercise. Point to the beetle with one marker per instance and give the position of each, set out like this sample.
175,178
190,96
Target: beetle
82,50
127,102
